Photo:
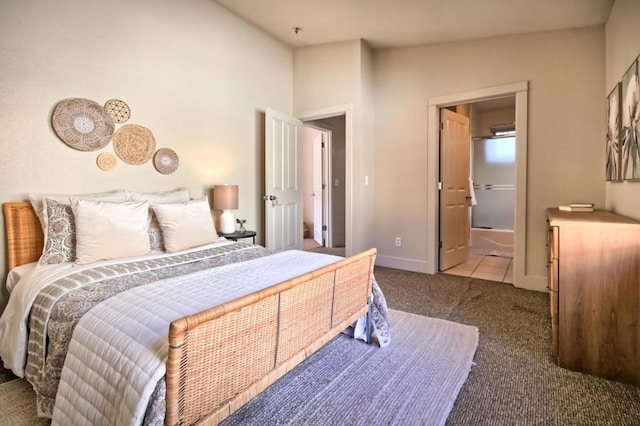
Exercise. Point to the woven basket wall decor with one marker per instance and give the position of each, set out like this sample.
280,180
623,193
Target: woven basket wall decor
134,144
118,110
166,161
82,124
106,161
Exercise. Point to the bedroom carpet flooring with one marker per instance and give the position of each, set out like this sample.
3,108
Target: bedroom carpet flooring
514,381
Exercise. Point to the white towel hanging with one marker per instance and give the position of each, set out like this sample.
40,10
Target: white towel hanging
472,193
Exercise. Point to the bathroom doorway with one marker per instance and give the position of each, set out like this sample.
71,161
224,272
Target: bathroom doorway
492,157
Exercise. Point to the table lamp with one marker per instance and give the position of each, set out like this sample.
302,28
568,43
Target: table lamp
225,198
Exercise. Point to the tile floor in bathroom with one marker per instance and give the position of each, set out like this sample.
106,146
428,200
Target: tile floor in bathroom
492,268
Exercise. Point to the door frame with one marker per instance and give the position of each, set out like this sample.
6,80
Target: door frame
347,111
520,91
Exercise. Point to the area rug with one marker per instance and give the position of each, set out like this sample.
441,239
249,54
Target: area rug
413,381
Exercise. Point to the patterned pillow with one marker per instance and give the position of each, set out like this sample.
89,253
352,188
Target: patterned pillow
60,233
155,234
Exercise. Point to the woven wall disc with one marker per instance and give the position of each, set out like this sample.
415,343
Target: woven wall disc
166,161
82,124
134,144
118,110
106,161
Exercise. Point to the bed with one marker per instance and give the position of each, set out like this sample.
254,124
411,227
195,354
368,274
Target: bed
258,314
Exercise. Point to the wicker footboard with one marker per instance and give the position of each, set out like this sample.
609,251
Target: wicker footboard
222,357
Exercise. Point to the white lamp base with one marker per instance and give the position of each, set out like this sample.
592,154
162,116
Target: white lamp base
227,222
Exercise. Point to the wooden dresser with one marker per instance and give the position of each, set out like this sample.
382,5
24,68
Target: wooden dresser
594,284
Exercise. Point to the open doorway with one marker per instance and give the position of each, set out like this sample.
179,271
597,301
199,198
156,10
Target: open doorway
520,91
324,186
490,192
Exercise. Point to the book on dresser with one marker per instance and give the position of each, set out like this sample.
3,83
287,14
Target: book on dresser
577,207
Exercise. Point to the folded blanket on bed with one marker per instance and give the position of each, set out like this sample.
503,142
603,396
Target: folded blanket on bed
109,379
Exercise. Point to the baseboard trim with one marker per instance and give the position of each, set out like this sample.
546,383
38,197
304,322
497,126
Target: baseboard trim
413,265
532,282
527,282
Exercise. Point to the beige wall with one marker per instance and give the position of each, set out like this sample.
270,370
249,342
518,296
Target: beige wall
623,46
336,75
565,155
195,74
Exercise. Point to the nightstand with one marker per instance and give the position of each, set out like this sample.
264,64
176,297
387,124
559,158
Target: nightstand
235,236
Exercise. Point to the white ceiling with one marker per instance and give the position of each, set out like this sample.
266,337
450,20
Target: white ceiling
394,23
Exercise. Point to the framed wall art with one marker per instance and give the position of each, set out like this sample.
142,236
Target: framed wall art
614,131
630,123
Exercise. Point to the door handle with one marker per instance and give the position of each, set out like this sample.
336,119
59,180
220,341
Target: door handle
269,198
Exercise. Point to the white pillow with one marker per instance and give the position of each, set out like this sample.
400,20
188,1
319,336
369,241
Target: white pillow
180,195
38,207
155,233
110,230
186,225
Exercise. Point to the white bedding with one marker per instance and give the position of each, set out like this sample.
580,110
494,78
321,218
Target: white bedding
14,319
17,273
108,377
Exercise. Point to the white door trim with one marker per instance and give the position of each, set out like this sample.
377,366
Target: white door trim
520,90
347,111
327,206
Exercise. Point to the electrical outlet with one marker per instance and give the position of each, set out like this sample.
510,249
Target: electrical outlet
398,242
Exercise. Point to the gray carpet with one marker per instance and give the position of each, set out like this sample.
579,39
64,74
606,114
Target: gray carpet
514,381
18,404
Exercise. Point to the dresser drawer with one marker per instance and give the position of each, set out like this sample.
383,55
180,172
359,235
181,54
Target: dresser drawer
553,308
553,275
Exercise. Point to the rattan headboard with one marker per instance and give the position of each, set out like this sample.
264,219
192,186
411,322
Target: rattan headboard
24,234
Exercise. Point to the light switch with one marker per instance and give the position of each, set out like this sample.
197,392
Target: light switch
366,180
336,182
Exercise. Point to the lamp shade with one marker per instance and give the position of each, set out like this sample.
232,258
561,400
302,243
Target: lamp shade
225,197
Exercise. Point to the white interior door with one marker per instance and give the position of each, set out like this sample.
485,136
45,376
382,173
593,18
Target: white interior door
454,194
283,181
318,222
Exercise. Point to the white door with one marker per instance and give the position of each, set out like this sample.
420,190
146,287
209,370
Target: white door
454,194
318,222
283,181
